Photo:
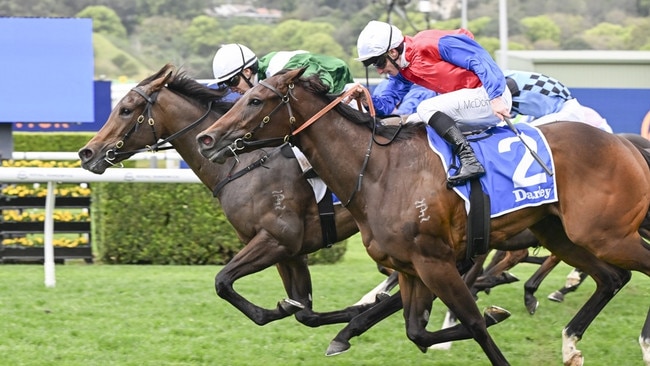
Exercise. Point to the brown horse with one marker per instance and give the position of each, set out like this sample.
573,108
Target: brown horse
272,207
410,221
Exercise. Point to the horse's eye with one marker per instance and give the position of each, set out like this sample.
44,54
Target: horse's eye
255,101
125,111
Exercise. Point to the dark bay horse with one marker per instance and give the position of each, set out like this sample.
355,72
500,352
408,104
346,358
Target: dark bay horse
410,221
272,207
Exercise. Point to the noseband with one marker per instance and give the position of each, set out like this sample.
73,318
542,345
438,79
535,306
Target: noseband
157,145
245,141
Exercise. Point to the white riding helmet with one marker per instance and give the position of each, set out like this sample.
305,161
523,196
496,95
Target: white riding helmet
230,60
377,38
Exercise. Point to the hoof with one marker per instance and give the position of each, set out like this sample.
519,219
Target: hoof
575,359
290,306
532,307
509,277
496,314
556,296
336,348
645,349
382,295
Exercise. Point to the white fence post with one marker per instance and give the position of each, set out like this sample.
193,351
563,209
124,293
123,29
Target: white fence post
79,175
48,236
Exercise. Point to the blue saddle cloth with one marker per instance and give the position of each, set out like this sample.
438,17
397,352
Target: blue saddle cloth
513,178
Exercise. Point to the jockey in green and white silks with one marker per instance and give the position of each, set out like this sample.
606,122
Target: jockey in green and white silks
332,71
236,66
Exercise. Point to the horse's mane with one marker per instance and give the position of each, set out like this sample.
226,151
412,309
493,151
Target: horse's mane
185,85
315,85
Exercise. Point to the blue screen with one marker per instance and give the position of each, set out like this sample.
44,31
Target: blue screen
47,70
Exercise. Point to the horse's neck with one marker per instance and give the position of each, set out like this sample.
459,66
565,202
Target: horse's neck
336,149
208,172
186,145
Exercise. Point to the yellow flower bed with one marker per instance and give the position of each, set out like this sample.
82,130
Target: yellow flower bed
38,215
41,164
37,241
21,190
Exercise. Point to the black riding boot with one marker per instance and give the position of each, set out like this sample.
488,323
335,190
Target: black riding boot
447,129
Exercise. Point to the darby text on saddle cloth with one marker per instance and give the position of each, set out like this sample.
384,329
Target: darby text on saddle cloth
513,178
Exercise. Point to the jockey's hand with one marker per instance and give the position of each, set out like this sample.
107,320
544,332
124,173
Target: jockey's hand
499,108
356,94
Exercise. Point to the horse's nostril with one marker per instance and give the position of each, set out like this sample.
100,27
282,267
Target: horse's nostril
206,140
85,153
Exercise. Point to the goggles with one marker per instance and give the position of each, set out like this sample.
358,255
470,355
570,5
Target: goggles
377,61
233,81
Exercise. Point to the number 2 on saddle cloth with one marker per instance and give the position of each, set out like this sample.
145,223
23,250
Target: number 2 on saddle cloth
514,179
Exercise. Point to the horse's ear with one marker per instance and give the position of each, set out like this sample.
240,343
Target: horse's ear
293,75
167,75
302,71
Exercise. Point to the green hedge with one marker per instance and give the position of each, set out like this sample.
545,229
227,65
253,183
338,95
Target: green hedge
156,223
50,141
160,223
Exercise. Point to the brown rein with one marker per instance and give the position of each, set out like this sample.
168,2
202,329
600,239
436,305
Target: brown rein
343,97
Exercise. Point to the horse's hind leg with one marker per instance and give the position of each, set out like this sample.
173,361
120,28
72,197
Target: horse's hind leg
381,291
495,274
531,286
573,281
644,340
609,280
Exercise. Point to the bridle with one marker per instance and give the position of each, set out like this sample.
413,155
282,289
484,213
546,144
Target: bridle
113,153
245,141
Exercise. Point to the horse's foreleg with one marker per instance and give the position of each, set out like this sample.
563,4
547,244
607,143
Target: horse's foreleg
508,260
531,286
451,289
470,279
259,253
417,300
364,321
297,282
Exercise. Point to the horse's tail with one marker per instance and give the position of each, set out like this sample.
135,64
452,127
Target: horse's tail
643,145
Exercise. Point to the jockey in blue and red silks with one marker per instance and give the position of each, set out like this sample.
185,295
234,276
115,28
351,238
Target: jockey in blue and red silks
471,88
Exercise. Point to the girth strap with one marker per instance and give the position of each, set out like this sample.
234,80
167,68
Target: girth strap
478,221
327,223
